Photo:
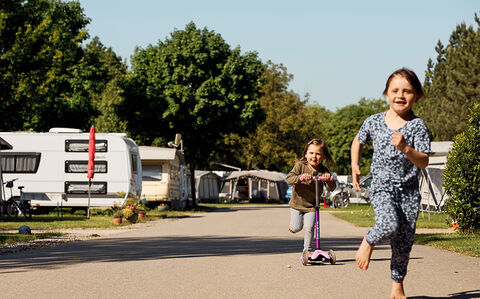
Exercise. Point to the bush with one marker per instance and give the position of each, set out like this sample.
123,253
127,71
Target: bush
462,179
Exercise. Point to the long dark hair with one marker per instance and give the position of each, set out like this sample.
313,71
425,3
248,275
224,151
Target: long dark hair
326,154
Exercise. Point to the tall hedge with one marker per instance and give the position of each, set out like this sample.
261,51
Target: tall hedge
462,175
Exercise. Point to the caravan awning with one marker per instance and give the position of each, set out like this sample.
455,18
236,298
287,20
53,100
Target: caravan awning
4,145
261,174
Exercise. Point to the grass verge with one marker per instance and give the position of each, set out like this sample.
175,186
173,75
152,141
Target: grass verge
8,238
457,242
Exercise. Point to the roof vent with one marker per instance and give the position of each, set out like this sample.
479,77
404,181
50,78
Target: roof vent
64,130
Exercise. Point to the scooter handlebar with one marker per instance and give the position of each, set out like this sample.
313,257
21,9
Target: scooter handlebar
320,178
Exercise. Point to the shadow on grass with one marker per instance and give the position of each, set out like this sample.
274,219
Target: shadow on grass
175,247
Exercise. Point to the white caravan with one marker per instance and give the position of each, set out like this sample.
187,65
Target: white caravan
52,168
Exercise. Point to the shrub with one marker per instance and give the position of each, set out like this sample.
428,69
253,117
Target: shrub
462,179
127,213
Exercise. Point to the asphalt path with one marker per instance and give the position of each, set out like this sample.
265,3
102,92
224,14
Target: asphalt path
244,252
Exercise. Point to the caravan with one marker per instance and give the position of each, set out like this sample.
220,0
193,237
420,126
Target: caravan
52,168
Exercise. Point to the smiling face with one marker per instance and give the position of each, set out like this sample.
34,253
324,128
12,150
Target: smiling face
314,155
401,95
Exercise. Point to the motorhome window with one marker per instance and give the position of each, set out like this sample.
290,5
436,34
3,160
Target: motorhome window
152,172
82,188
16,162
81,166
81,145
134,162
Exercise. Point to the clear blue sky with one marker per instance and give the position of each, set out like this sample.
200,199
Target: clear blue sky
338,51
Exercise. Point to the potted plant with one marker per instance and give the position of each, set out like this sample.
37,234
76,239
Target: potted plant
129,214
117,217
138,207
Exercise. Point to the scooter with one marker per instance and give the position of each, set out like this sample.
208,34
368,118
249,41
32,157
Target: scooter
319,256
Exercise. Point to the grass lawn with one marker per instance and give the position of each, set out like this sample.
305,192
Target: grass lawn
362,215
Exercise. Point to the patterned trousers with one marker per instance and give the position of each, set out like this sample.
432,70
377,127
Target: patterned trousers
396,212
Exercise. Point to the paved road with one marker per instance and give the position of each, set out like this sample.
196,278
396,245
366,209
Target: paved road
245,252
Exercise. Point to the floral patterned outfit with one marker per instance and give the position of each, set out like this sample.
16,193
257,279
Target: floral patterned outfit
394,190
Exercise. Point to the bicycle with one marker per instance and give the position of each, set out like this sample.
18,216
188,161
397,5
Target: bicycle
14,205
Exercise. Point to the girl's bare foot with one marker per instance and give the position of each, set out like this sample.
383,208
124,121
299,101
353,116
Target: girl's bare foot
397,291
363,255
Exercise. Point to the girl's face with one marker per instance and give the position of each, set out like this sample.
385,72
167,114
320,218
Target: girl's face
314,155
401,95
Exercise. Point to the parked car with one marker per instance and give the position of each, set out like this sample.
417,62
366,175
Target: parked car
345,194
288,195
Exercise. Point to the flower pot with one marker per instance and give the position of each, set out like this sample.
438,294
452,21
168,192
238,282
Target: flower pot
141,214
117,221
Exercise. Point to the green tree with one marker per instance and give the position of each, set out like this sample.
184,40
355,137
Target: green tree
193,83
462,182
343,128
99,76
452,83
288,126
40,42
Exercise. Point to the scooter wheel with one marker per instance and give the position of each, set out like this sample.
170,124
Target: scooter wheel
333,258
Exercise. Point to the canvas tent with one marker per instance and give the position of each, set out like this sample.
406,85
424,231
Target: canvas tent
207,186
431,178
253,185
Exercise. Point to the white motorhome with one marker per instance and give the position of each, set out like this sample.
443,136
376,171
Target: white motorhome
52,167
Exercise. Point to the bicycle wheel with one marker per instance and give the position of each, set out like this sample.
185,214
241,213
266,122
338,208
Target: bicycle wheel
11,209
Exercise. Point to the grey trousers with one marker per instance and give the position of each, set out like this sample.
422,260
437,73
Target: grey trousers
306,220
396,213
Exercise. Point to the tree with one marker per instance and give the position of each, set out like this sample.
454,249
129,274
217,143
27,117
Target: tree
452,83
193,83
288,126
343,128
462,182
99,76
40,42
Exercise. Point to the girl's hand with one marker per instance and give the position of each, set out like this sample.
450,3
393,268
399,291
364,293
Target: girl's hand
399,141
356,177
326,176
305,177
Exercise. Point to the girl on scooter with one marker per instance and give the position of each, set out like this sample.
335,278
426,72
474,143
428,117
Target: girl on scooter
302,203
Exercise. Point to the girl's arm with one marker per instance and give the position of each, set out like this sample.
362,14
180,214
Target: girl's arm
418,159
355,153
293,176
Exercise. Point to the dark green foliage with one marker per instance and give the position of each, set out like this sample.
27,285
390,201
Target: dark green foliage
462,179
452,83
40,41
343,128
193,84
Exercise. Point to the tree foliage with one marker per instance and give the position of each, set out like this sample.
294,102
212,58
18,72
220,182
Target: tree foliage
289,124
192,83
462,182
40,42
343,128
452,83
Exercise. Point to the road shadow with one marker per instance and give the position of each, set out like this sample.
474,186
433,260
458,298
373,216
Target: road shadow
174,247
459,295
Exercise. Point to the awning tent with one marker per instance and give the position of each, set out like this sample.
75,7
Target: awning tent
431,178
252,185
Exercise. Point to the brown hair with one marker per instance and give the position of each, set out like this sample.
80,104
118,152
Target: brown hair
323,145
411,78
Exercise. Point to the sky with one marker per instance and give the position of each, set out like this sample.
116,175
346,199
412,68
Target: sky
338,51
